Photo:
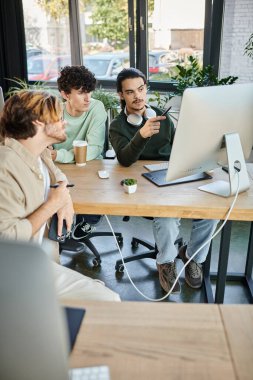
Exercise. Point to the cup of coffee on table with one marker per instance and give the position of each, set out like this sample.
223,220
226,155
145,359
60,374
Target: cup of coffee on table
80,152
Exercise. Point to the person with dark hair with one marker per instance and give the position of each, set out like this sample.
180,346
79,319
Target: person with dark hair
85,119
85,116
30,121
140,132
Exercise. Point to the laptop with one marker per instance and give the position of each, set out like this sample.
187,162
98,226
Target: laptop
34,341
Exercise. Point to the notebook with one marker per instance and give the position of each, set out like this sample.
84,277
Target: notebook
74,319
33,328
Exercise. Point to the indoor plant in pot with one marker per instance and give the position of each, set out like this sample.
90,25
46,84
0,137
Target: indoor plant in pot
194,75
130,185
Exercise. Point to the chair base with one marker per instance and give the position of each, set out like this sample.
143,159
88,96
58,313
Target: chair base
77,246
150,254
71,245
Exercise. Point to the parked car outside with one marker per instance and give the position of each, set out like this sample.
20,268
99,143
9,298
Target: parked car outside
33,50
107,65
45,67
158,61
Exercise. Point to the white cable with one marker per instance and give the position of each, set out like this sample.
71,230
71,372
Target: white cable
195,253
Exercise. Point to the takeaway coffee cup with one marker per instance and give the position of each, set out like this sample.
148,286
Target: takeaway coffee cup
80,152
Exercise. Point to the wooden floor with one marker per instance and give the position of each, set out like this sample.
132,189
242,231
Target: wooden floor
144,272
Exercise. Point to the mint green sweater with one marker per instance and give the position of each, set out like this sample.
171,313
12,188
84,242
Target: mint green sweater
90,126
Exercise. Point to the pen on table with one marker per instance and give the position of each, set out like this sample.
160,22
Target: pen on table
57,185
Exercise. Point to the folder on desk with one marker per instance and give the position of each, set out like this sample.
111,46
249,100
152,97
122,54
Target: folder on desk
74,318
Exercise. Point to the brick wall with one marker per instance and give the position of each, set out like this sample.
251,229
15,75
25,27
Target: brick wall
237,27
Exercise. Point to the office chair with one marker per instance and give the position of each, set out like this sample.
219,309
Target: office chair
151,253
75,246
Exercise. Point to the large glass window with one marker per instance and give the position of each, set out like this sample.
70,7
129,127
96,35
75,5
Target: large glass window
47,38
175,31
104,36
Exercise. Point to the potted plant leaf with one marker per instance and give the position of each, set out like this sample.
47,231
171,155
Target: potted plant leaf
130,185
248,50
194,75
20,84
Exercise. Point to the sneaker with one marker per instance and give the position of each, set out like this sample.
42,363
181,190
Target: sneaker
167,276
193,271
82,230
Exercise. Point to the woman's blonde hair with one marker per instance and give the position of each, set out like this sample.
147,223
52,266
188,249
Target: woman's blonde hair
24,108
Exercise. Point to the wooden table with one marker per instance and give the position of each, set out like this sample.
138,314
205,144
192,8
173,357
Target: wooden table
92,195
166,341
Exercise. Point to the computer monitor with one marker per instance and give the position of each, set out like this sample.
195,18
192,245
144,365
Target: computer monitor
215,128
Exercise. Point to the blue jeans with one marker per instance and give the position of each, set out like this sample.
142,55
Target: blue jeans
166,231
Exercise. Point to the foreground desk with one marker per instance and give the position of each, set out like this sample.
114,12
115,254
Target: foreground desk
147,341
92,195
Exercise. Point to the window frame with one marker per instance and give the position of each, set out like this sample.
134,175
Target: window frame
138,39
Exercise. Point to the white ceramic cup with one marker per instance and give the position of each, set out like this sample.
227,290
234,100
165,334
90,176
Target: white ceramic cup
80,152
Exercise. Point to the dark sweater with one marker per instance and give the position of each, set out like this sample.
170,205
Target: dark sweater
130,146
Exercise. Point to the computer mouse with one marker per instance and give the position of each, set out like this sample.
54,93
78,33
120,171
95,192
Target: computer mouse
103,174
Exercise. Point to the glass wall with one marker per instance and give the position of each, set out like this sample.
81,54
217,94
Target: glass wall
175,31
109,30
47,38
104,36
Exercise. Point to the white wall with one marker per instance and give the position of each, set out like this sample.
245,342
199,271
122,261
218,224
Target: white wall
237,27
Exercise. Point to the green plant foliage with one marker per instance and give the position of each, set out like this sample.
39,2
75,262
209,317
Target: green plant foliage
55,8
161,99
59,8
110,20
20,84
193,75
109,99
248,50
130,181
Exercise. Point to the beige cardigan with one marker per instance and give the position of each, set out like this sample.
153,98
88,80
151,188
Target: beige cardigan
21,188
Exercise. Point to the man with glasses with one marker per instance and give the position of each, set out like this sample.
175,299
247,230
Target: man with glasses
140,132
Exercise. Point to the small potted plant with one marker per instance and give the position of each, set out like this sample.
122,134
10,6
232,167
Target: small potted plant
130,185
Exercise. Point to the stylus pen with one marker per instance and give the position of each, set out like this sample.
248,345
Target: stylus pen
166,111
57,185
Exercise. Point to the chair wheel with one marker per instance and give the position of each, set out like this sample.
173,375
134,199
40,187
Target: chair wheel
120,241
120,268
96,262
134,244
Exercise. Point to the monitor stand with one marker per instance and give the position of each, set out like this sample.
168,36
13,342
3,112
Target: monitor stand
236,163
